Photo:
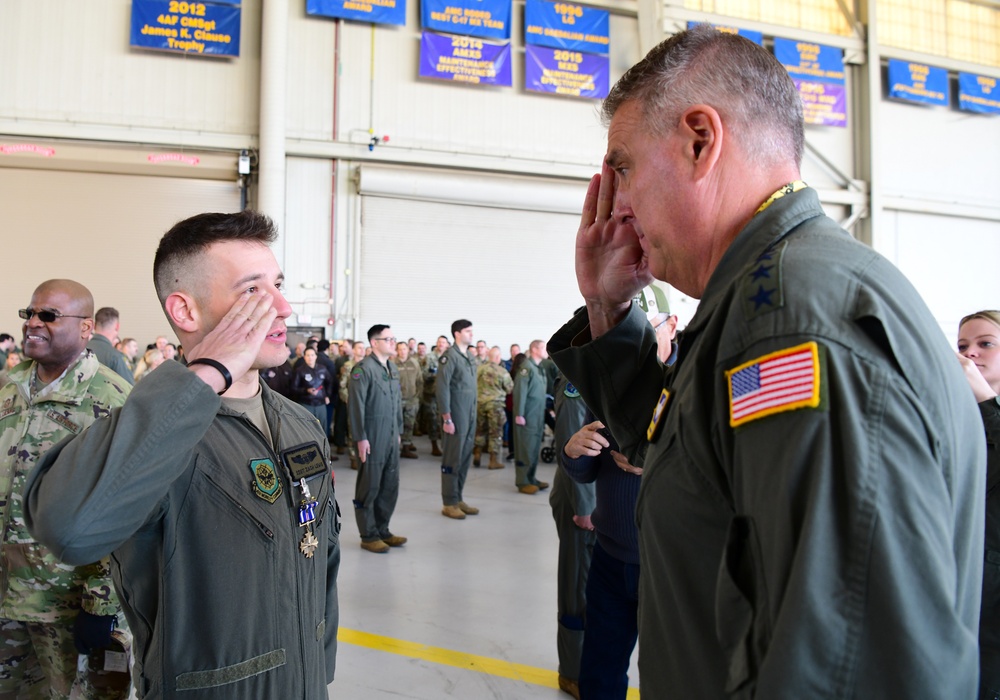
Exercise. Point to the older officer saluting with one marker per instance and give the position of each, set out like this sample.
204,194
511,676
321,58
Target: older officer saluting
811,507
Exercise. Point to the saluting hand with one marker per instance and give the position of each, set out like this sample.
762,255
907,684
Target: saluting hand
611,266
236,340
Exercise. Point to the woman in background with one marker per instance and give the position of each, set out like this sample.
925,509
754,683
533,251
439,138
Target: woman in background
979,353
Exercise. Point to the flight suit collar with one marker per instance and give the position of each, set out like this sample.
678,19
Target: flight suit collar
765,229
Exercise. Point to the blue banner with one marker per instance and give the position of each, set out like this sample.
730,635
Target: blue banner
485,18
562,25
916,82
205,28
755,37
809,61
462,59
824,104
374,11
561,72
978,93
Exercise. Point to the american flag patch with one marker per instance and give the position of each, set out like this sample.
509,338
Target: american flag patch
777,382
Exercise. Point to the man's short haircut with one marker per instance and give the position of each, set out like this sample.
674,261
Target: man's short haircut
459,326
421,343
106,316
752,92
193,236
536,344
375,330
4,337
314,344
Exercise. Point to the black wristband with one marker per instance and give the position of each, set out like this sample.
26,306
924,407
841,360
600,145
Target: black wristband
226,376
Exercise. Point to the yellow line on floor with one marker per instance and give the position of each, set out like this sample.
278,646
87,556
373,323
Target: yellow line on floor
446,657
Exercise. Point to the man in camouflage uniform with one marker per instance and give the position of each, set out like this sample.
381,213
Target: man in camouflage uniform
411,385
345,378
50,612
432,426
493,383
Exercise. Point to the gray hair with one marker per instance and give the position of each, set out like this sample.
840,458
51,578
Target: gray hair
752,92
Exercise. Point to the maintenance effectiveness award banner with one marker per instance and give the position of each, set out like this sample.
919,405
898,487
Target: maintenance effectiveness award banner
374,11
563,25
561,72
486,18
463,59
916,82
818,74
978,93
205,28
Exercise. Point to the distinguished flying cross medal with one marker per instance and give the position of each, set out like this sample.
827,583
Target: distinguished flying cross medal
303,462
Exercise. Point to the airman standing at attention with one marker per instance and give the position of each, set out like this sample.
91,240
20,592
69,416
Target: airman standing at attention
456,399
411,386
494,384
529,418
358,354
431,423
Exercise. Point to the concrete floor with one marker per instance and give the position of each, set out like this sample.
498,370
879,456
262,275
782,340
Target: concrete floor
466,609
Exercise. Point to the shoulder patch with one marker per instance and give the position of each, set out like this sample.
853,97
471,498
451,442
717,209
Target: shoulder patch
442,360
356,373
656,422
774,383
524,372
571,391
761,287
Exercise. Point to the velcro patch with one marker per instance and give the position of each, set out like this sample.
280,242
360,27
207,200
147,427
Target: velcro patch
774,383
571,391
356,374
266,484
304,461
656,423
62,420
447,470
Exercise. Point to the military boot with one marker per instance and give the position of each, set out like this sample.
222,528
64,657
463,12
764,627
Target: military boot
477,454
494,464
435,450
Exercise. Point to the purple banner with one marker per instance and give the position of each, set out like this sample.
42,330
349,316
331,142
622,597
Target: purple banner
464,59
823,103
562,72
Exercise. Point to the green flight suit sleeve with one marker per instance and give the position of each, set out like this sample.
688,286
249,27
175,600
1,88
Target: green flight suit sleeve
119,365
618,375
868,458
443,385
357,389
91,493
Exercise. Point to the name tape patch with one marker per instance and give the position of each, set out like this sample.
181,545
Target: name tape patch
304,461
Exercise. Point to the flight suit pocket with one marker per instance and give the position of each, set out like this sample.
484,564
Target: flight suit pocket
741,606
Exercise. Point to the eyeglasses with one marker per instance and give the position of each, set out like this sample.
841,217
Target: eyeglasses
661,323
44,316
388,340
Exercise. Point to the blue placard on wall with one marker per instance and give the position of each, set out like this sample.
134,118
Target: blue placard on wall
563,25
917,82
485,18
562,72
206,28
755,37
375,11
463,59
803,59
978,93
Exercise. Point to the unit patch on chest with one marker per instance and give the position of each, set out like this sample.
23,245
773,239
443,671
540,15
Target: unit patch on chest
266,484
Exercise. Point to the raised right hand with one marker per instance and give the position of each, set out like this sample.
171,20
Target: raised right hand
611,266
236,340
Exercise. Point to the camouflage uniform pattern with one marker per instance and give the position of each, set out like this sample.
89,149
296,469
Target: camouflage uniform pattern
411,385
342,392
35,588
493,383
428,404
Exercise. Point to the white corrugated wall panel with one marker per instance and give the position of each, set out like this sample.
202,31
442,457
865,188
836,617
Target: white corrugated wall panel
72,62
303,250
311,44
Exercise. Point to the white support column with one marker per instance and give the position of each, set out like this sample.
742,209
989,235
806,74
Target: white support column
273,79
